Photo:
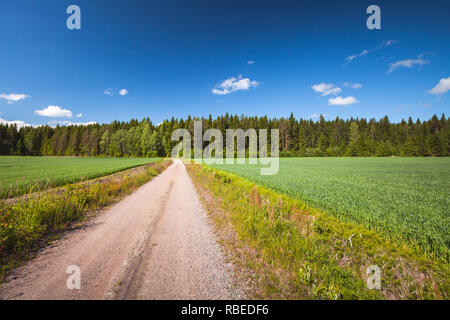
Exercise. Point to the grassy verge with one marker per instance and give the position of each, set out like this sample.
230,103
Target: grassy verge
299,252
29,222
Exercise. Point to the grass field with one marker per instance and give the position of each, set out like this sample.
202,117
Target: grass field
408,198
20,175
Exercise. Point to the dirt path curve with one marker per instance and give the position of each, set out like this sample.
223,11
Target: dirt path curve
154,244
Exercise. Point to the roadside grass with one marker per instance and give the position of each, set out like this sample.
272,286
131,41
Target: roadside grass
21,175
29,222
300,252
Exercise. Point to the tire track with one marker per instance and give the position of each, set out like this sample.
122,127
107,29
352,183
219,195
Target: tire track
132,280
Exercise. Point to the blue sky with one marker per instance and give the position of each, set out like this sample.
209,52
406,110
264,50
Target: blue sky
176,58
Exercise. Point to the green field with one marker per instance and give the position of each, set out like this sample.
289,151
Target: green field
20,175
408,198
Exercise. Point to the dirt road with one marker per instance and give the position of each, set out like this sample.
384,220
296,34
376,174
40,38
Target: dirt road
154,244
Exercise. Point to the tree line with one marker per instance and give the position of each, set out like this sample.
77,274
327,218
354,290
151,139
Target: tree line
298,137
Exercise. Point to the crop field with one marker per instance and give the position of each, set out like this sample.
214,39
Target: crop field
406,198
20,175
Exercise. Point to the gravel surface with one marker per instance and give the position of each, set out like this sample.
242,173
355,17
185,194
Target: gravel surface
155,244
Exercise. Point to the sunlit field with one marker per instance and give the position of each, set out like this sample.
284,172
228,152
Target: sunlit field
408,198
20,175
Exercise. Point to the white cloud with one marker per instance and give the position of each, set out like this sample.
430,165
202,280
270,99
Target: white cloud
407,63
250,62
88,123
339,101
18,123
390,42
350,58
110,92
54,112
79,115
383,44
353,57
442,87
313,116
69,123
386,43
352,85
234,84
53,123
13,97
326,89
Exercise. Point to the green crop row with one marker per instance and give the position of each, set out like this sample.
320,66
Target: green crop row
406,198
20,175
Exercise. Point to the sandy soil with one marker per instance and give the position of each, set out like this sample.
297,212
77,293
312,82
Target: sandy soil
155,244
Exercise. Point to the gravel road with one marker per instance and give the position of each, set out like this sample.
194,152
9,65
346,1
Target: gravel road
155,244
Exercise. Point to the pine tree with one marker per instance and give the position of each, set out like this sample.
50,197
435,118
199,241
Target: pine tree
104,143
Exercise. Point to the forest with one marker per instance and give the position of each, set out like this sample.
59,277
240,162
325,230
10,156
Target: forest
300,138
